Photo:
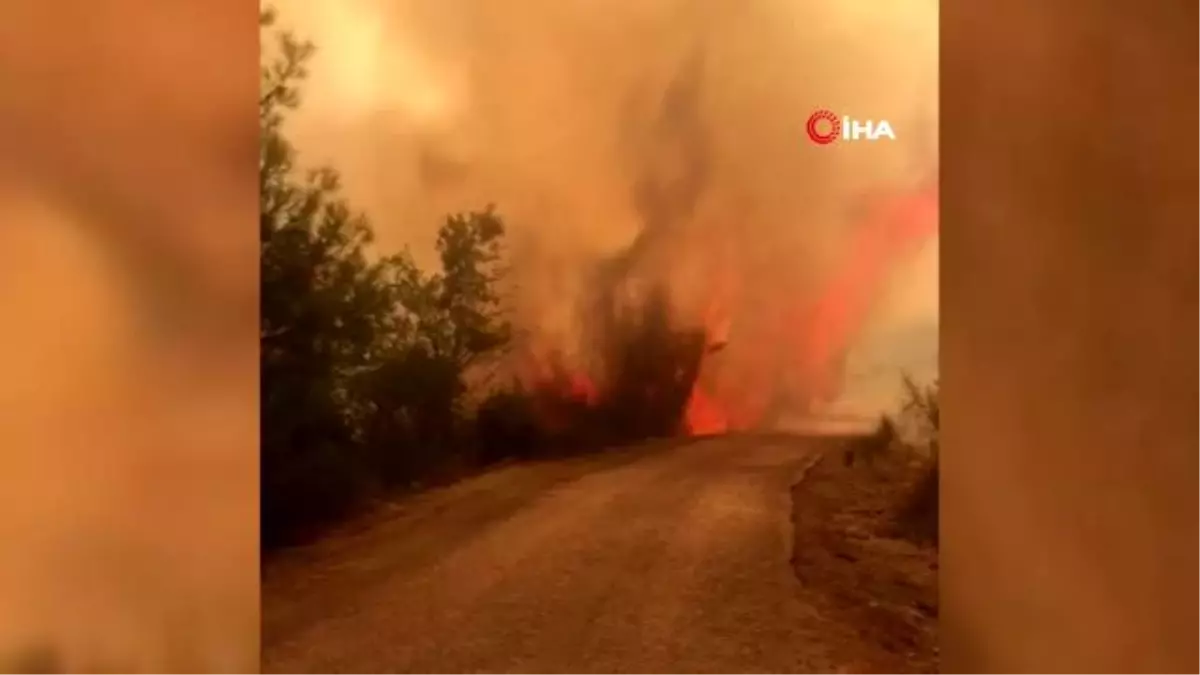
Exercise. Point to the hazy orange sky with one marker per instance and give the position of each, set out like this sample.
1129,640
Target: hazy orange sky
431,107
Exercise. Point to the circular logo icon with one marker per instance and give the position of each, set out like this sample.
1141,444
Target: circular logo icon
823,119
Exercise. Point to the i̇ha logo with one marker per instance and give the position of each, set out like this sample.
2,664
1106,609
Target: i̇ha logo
824,128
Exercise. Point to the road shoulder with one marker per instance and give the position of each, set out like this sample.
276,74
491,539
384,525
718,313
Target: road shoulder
872,582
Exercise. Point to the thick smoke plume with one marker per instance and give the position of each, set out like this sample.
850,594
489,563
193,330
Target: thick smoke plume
650,159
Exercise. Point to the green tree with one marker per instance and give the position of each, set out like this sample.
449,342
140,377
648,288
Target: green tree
327,313
362,356
452,318
470,249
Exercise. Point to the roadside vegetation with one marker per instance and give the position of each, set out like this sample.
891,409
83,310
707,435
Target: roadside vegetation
361,354
866,540
919,514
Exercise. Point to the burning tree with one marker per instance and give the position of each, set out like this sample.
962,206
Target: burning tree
655,365
645,360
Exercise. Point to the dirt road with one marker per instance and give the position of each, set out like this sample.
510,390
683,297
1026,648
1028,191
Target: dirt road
663,559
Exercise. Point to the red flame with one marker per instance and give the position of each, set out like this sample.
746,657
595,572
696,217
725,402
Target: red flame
703,415
807,340
819,332
893,230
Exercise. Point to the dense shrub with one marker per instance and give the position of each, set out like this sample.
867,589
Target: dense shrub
362,355
508,427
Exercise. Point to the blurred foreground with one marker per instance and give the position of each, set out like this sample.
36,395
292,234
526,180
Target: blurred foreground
128,287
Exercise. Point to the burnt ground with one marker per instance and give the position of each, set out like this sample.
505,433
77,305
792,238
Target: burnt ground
862,564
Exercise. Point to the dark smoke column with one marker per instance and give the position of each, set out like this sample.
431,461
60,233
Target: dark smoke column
672,171
650,364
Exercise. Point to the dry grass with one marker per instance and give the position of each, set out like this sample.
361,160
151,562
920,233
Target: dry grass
865,559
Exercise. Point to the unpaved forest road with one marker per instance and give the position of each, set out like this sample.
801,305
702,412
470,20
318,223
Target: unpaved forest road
668,559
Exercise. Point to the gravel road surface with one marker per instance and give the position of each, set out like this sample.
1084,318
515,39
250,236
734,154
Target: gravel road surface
664,558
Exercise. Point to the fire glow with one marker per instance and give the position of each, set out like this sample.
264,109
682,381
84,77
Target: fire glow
815,334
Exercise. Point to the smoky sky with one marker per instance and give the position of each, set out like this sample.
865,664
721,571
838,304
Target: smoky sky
667,134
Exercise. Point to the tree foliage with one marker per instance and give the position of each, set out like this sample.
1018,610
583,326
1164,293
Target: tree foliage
362,355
